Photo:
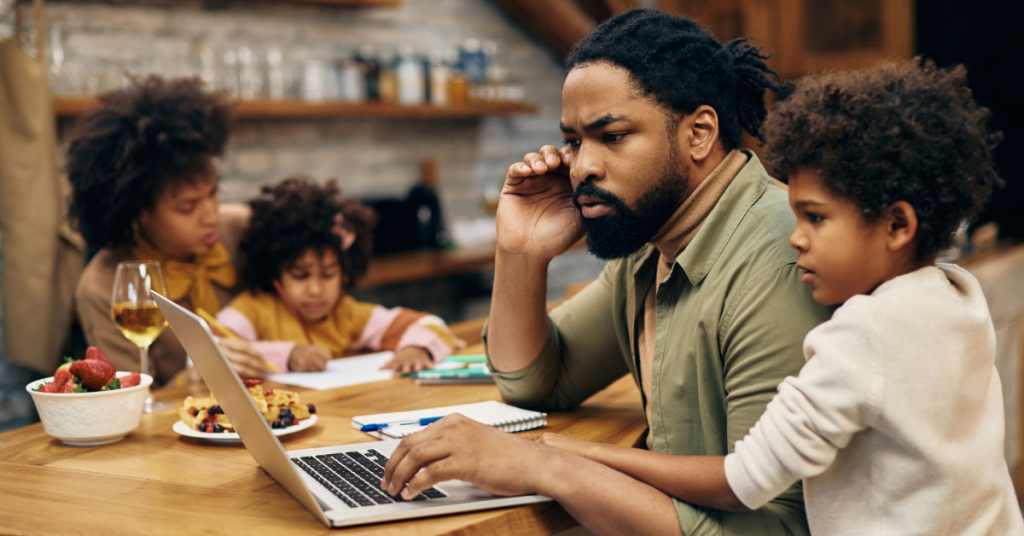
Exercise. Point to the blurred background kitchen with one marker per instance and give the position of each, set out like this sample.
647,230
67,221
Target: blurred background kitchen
419,106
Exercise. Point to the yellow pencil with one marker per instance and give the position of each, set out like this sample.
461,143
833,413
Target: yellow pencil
221,329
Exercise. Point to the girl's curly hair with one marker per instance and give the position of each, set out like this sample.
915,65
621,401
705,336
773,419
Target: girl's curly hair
900,131
137,142
295,215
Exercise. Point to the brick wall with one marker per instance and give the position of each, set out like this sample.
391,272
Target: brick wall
370,157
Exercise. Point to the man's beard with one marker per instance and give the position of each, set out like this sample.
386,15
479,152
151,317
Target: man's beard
626,231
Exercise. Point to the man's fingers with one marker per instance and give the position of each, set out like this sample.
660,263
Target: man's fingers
407,443
437,471
418,457
552,157
537,163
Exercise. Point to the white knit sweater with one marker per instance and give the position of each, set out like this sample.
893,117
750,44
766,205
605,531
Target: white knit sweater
896,421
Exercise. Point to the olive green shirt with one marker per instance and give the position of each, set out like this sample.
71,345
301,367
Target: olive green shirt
731,319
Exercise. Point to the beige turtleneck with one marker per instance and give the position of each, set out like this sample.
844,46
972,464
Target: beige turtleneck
670,241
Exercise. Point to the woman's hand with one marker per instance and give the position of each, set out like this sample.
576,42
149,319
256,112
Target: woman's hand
247,361
409,359
308,358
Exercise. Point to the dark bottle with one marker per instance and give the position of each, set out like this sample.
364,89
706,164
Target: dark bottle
371,69
425,208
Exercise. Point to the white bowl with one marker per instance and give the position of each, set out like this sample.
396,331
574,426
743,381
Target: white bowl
90,419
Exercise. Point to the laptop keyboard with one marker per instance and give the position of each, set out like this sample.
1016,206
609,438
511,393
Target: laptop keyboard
354,477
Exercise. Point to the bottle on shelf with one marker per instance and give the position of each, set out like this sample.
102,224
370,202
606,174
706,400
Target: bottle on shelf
278,81
439,75
474,62
410,78
388,80
351,80
250,75
458,83
367,56
425,207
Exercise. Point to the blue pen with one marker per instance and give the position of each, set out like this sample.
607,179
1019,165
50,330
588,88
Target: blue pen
378,426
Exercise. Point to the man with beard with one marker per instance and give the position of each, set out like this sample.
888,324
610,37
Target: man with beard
701,300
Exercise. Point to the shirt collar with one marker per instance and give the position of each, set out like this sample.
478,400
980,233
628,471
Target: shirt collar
706,247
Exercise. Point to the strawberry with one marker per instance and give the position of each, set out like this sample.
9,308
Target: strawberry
95,371
71,387
52,387
130,380
93,352
63,373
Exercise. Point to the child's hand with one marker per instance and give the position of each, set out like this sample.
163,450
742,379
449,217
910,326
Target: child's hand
410,359
576,446
308,358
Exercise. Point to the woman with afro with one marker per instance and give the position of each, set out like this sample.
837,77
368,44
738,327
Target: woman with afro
144,187
305,249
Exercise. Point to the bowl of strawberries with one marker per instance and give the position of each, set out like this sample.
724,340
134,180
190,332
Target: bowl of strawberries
89,402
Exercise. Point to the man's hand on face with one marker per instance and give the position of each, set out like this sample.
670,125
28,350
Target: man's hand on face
536,216
457,447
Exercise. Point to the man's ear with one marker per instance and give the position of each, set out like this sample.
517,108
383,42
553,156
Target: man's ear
701,132
902,225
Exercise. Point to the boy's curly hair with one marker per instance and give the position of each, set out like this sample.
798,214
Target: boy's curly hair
295,215
137,142
900,131
682,66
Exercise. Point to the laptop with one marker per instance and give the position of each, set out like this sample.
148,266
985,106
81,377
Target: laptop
339,485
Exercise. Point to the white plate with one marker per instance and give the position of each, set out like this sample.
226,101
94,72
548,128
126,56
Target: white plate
230,437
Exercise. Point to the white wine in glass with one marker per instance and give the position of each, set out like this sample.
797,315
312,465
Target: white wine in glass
136,314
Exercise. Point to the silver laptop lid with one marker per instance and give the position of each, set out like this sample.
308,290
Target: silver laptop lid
197,339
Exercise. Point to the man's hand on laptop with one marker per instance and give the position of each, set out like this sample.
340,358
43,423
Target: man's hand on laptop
459,448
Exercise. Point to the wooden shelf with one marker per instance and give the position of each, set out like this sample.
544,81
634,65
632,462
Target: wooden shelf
425,264
351,3
428,264
69,106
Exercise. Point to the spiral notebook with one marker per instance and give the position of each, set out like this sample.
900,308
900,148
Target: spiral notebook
502,416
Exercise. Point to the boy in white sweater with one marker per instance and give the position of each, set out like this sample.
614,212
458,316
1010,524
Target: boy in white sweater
895,424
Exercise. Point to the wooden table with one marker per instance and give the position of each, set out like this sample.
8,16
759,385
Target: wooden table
156,482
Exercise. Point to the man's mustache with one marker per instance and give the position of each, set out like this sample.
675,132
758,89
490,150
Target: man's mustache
589,189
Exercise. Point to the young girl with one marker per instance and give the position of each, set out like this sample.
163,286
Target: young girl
304,249
895,424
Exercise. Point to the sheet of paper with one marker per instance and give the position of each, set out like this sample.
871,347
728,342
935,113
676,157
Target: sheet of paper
341,372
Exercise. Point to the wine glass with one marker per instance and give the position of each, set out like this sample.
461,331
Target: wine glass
136,314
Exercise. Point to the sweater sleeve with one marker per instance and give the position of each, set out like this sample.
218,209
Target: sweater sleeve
277,353
837,394
397,328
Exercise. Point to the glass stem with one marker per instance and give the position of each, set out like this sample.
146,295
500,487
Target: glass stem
144,356
144,366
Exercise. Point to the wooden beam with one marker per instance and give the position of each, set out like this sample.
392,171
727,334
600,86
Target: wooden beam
559,24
